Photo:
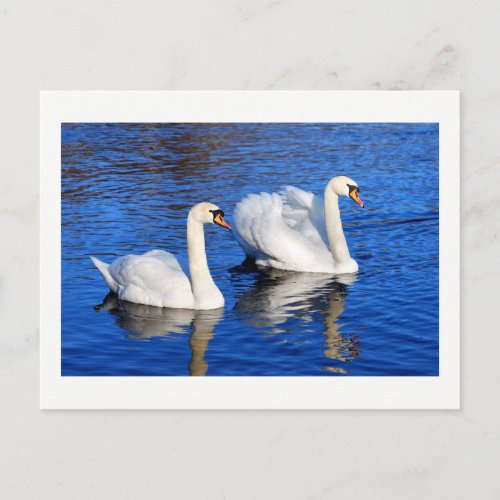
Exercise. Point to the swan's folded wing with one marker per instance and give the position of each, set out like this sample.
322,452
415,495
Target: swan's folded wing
304,211
265,235
154,278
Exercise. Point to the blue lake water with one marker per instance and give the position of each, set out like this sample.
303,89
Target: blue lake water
127,188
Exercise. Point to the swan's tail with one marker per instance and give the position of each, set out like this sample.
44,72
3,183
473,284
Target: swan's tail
104,270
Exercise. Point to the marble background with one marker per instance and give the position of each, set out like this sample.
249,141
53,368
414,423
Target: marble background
259,44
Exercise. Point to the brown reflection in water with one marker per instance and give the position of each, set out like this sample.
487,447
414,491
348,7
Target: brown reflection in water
336,346
203,331
187,154
144,322
279,295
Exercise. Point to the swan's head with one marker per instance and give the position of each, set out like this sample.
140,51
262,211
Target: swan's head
208,213
344,186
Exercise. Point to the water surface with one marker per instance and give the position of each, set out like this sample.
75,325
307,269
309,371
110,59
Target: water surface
127,188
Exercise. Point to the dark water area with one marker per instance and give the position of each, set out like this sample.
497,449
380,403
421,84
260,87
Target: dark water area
127,188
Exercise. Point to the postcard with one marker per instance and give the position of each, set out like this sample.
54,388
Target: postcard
250,250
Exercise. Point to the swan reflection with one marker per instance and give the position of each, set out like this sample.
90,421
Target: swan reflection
279,296
143,322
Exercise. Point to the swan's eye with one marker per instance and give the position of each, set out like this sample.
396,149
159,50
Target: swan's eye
217,212
218,215
219,218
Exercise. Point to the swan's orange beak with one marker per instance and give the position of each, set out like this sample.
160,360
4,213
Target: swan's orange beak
354,194
219,220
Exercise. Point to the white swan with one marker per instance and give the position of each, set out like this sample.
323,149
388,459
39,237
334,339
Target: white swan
295,230
157,279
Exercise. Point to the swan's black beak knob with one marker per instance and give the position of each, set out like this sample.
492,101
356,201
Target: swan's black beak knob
219,218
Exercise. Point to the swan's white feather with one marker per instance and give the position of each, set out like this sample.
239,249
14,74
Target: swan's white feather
154,278
304,211
104,270
284,231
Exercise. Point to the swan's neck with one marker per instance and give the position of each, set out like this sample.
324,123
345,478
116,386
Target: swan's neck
202,284
334,231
